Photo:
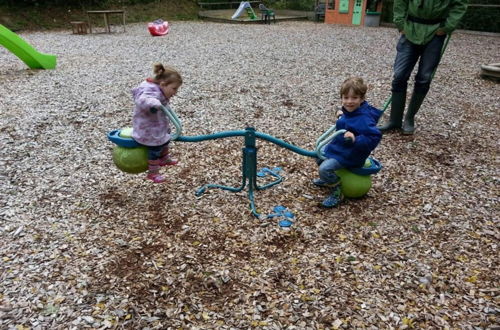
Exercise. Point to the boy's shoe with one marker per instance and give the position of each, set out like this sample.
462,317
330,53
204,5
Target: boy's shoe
333,199
168,161
156,177
320,183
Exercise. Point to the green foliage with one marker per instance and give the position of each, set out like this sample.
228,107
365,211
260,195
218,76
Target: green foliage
481,19
71,3
43,14
476,18
293,4
48,3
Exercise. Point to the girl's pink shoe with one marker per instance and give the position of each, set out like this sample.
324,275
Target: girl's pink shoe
156,177
168,161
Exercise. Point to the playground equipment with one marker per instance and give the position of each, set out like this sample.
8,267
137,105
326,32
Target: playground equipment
355,182
19,47
353,12
491,71
158,28
284,216
267,14
244,7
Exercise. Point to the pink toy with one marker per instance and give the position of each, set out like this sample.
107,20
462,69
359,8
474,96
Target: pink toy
158,28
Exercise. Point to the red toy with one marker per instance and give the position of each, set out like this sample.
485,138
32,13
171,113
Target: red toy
158,28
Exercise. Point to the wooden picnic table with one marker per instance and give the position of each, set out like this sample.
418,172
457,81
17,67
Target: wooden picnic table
106,14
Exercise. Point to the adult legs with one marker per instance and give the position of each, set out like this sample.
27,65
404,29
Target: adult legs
429,60
406,57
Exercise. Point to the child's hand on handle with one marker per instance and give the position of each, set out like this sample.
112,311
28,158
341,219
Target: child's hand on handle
349,137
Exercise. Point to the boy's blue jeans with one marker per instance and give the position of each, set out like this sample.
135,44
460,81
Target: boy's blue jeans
407,56
327,170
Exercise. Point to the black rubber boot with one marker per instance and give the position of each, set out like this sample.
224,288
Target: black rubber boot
413,107
396,116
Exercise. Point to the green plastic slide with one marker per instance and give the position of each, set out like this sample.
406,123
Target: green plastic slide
19,47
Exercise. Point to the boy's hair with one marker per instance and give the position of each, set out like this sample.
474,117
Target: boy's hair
166,74
354,84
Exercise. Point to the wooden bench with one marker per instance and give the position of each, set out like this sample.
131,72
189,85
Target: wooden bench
79,27
105,14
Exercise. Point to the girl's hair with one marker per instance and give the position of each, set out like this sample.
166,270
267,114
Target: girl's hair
354,84
166,74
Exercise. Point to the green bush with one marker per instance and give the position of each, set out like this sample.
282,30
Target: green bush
476,18
69,3
305,5
481,19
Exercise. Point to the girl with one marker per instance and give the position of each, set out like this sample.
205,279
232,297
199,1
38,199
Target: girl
151,127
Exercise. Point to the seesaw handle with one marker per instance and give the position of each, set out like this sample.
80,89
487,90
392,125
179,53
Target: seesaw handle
325,139
175,120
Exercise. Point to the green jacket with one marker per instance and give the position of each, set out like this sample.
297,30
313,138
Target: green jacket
449,10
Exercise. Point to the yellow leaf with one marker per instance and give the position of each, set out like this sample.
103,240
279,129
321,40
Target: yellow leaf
128,317
59,300
338,259
408,322
316,291
306,298
205,316
462,258
473,234
21,327
100,305
377,267
472,279
342,237
375,235
164,288
216,219
6,259
196,243
294,261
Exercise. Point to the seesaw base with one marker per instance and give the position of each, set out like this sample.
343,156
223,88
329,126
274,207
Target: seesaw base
249,177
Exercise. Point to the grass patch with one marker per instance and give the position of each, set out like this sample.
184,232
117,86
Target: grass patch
51,18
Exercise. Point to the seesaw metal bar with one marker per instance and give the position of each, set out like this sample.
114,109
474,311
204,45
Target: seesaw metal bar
249,157
249,161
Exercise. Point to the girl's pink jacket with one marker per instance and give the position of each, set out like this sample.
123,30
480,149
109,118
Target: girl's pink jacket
151,127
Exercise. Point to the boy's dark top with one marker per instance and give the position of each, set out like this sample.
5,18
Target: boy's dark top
362,122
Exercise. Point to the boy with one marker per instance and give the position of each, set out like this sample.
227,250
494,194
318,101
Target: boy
351,149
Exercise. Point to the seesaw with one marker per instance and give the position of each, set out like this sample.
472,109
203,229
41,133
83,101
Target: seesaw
131,157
